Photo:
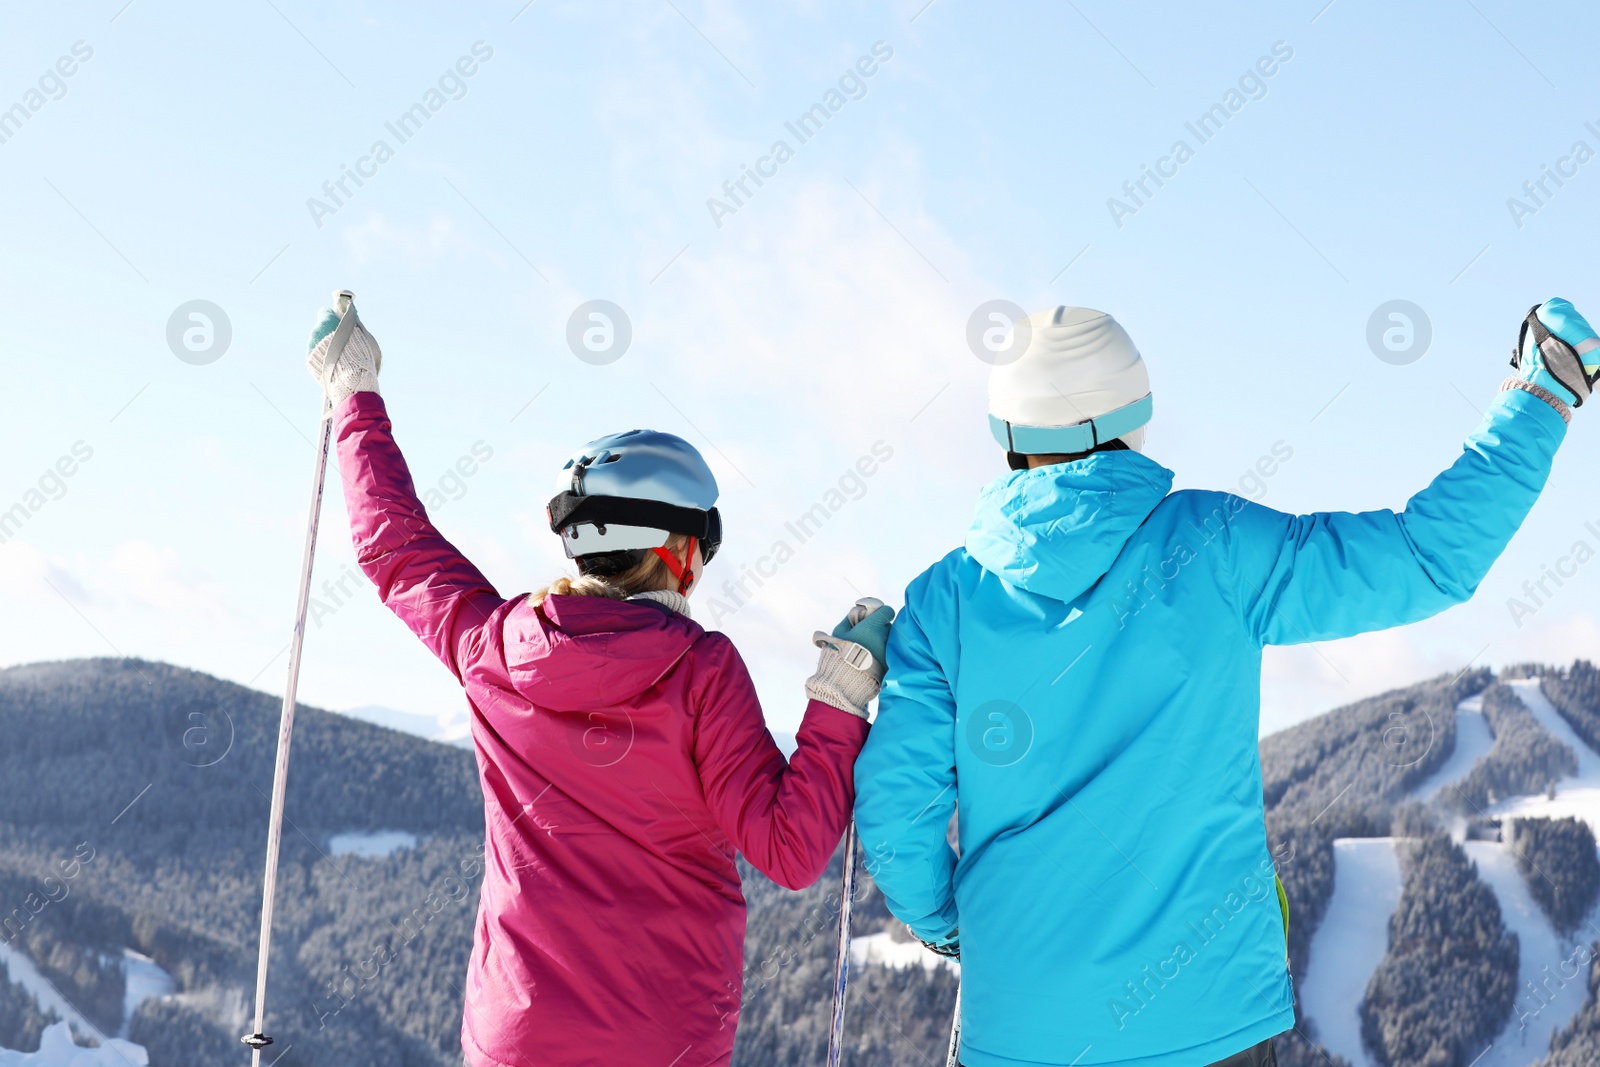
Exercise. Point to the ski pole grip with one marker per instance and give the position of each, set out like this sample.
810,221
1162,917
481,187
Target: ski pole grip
344,301
864,607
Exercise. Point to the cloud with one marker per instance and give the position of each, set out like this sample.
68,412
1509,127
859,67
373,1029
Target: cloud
27,574
1301,681
816,332
1552,639
139,574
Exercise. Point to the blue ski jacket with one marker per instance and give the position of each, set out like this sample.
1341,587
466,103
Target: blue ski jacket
1085,676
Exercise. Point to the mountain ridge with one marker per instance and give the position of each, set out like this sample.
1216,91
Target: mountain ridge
165,774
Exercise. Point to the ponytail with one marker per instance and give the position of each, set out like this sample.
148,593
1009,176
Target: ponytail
649,574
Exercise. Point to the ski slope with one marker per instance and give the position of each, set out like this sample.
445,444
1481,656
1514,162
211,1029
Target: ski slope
1544,955
371,845
56,1048
1353,937
1351,942
143,979
883,950
1473,741
1578,795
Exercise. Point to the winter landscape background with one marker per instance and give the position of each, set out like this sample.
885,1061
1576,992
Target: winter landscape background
1437,844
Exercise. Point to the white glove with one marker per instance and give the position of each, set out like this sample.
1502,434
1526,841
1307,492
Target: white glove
356,355
849,672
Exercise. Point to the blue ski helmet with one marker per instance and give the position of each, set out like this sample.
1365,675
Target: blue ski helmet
629,492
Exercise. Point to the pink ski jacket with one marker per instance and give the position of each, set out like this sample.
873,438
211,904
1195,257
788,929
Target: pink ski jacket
624,760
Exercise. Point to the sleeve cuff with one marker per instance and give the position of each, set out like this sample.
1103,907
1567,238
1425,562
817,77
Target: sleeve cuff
360,402
1560,406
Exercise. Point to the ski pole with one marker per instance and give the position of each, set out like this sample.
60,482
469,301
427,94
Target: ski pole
841,965
954,1059
344,302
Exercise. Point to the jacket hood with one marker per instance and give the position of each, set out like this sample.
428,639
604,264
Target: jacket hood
1055,530
582,653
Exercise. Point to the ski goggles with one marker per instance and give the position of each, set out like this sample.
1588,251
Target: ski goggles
570,509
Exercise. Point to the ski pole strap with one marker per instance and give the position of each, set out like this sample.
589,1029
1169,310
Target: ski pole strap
1082,436
348,322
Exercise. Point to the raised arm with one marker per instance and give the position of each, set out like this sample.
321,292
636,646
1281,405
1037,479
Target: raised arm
420,576
1322,576
906,783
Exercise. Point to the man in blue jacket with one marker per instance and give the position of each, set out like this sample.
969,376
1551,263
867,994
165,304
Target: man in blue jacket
1084,676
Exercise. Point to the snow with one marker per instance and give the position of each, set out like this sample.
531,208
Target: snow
371,845
883,950
1551,977
1351,942
1473,741
1353,936
1533,697
1545,958
144,980
1579,795
57,1048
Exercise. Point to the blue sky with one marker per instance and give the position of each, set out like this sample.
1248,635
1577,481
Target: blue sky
824,316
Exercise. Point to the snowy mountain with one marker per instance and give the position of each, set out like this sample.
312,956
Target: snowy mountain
1445,862
1436,842
133,803
58,1049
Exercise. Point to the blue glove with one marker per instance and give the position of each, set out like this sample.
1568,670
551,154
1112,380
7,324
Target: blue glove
1558,351
868,626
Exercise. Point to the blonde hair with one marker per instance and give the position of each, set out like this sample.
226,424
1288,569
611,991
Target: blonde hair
650,573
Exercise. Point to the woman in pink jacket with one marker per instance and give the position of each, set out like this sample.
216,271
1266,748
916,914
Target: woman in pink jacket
621,749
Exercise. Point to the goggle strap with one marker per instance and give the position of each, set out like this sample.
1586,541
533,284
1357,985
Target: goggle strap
679,571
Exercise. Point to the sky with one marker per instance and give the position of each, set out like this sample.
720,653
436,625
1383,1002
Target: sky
515,161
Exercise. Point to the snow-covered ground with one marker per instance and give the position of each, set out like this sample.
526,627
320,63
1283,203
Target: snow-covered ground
57,1048
1351,942
1544,956
1473,741
885,951
143,980
371,845
1579,795
1353,936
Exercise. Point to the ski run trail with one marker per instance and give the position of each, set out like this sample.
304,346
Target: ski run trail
1345,950
882,949
1354,935
1351,941
144,979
